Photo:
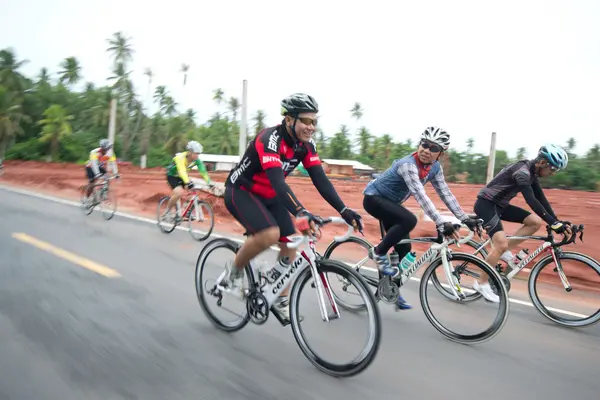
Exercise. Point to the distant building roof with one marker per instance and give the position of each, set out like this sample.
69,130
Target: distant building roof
219,158
353,163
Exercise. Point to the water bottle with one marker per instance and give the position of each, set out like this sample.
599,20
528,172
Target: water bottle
521,255
408,260
273,272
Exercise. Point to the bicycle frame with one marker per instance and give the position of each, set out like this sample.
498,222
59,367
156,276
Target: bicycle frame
192,201
548,243
306,258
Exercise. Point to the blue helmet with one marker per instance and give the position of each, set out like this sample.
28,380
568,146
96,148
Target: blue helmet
555,155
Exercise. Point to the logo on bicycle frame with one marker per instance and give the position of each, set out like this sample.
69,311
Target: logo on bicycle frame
291,271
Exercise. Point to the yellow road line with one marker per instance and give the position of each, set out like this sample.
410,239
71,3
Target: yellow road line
74,258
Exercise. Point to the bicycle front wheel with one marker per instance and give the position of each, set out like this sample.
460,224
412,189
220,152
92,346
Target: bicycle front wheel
479,336
108,204
371,346
201,217
570,285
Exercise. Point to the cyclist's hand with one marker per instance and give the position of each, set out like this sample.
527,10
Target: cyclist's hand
353,218
558,227
190,185
473,224
449,229
305,223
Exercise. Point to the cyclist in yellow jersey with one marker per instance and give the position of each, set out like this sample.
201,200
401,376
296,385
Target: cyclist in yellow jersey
177,175
94,168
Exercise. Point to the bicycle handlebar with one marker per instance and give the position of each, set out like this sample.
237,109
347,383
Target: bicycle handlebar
575,229
320,222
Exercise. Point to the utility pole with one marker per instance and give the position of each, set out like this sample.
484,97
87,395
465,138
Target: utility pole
243,120
491,159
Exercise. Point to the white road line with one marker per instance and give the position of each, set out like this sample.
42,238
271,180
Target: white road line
152,221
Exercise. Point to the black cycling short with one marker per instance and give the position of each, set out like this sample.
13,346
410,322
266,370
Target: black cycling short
90,172
256,213
175,181
492,214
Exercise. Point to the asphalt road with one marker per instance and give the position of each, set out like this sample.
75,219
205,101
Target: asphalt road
70,333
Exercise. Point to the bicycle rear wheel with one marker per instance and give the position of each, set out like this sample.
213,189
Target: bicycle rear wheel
87,209
503,307
163,225
368,353
208,292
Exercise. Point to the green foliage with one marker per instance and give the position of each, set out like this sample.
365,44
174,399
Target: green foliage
73,122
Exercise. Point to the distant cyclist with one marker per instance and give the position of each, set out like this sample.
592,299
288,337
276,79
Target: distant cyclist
492,205
258,197
383,198
95,167
177,175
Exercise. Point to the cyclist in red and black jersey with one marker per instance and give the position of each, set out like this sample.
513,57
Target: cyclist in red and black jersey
258,197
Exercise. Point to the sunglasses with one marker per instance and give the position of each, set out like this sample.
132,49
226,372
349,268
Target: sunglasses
308,121
434,148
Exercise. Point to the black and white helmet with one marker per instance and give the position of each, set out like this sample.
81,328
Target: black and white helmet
437,136
298,103
105,144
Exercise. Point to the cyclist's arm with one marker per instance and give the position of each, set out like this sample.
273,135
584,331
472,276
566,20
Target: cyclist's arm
180,163
94,163
410,174
539,194
202,170
441,187
313,166
522,179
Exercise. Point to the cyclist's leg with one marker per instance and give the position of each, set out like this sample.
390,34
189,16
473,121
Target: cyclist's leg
531,223
488,212
90,175
176,184
398,222
254,216
402,250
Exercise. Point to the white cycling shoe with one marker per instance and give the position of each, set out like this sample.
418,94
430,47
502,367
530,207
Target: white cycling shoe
486,291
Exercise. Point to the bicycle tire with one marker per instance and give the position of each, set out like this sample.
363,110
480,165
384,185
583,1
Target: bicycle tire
108,216
498,323
532,285
327,254
86,210
338,370
212,221
446,291
158,214
200,292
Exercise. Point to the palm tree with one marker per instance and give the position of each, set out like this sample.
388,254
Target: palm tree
11,115
218,95
55,127
71,71
184,69
10,77
43,77
357,111
234,105
259,121
120,47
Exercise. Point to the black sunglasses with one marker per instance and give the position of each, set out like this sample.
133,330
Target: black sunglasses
434,148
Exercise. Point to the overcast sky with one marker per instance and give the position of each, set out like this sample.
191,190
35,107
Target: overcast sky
527,69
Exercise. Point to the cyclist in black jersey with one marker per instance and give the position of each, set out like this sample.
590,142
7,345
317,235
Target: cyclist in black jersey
492,205
257,196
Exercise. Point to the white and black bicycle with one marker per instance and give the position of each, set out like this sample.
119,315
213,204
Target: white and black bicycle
584,274
438,255
263,290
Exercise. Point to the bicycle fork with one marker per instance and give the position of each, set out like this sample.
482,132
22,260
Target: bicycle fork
449,271
322,285
561,272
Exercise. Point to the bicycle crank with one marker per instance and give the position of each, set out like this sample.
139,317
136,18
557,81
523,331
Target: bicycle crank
387,290
505,281
257,307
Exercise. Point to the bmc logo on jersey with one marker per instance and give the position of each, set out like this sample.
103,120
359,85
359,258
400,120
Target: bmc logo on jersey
273,141
271,159
314,158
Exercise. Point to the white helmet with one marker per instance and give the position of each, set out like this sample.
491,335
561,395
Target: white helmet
105,144
437,136
194,147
